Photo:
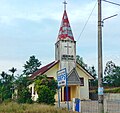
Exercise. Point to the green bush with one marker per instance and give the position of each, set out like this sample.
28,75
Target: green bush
24,96
45,95
46,89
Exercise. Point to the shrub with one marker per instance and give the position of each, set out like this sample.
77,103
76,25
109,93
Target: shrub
24,96
45,95
46,89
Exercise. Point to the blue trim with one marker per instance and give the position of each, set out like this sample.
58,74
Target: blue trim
59,97
67,88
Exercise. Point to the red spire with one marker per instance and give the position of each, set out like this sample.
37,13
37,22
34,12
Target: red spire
65,29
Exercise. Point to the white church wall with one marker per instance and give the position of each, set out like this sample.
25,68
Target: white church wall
84,90
33,92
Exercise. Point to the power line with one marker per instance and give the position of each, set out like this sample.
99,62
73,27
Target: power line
111,2
85,24
87,21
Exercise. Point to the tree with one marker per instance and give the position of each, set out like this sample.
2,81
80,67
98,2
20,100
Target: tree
80,61
6,83
94,82
13,70
31,65
23,93
45,95
110,66
45,87
24,96
91,70
112,74
22,81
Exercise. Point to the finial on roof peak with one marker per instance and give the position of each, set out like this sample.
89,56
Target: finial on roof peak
64,4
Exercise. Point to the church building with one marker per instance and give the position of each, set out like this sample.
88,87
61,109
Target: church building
65,57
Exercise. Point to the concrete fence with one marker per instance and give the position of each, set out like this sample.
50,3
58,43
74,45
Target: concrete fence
111,104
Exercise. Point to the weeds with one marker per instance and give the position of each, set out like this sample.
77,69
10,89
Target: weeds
13,107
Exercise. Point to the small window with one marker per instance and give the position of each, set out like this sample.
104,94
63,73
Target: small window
81,81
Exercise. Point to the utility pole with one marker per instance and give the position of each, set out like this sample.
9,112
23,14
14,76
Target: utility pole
100,65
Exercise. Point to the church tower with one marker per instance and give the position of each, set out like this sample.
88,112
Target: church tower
65,47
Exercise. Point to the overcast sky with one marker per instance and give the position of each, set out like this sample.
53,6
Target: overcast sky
30,27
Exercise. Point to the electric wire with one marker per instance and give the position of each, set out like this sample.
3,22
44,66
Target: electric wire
111,2
87,21
85,24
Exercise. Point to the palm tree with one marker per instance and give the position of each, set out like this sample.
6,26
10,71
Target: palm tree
3,74
12,70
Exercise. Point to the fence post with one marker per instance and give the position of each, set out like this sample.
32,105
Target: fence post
105,104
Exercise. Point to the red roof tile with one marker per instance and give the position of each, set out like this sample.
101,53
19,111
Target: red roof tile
43,69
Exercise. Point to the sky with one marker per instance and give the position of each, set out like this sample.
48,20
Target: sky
30,27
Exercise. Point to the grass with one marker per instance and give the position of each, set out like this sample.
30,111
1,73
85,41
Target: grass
13,107
108,90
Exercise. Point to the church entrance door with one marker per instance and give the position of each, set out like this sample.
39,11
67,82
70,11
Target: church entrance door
65,98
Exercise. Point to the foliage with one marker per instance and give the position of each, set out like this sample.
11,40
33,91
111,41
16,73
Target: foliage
108,90
112,74
13,70
112,90
9,83
24,96
6,86
80,61
45,87
94,82
23,93
31,65
45,95
22,82
91,70
110,66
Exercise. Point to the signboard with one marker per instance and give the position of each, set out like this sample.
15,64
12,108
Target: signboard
62,81
61,77
100,91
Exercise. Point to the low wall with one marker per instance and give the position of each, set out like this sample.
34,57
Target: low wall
112,96
111,101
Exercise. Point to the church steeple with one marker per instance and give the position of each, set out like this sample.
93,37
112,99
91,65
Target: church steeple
65,29
65,47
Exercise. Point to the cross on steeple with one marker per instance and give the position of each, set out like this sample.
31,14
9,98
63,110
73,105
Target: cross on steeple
64,4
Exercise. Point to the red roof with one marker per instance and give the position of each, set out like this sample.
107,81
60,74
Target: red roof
43,69
65,29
